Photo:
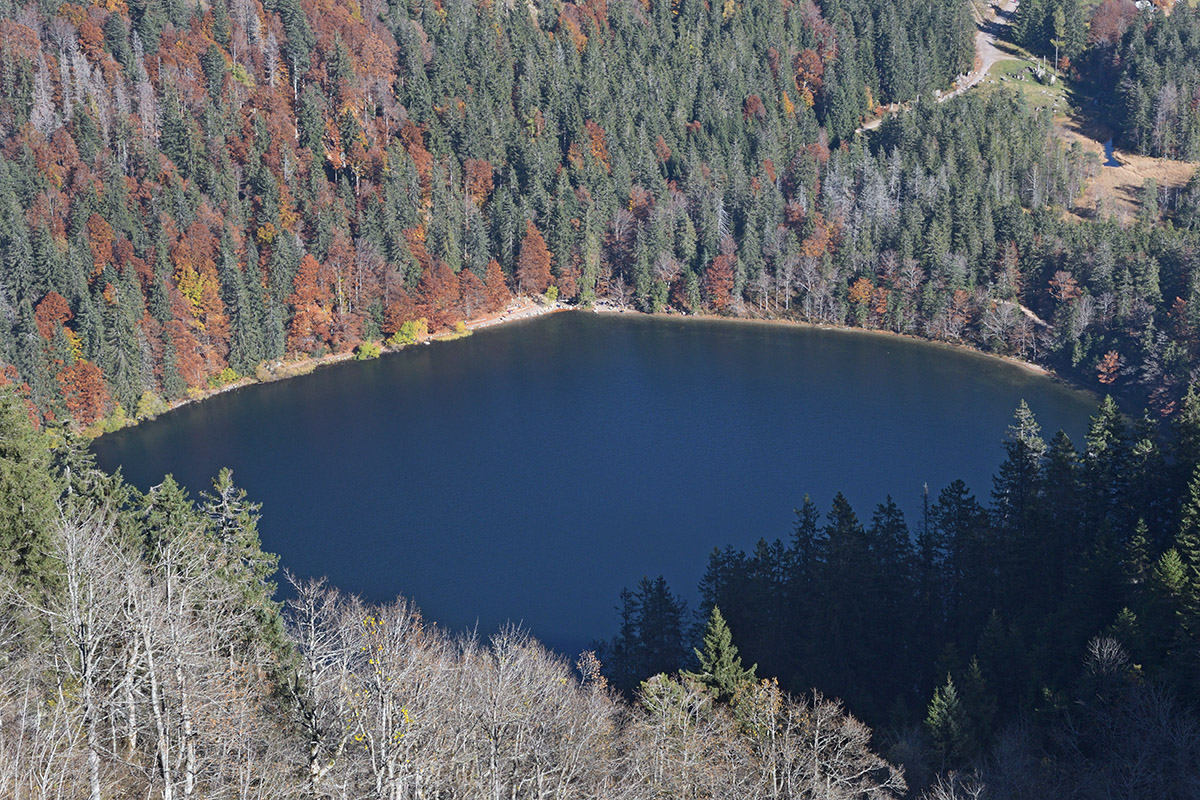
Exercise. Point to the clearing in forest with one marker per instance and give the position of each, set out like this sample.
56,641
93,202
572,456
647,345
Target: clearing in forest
1116,189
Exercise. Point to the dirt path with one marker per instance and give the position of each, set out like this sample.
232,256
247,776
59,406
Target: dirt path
987,53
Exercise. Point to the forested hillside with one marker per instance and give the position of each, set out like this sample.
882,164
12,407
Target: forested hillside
191,193
187,191
1041,639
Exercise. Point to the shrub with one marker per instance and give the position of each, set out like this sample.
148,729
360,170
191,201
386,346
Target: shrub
367,350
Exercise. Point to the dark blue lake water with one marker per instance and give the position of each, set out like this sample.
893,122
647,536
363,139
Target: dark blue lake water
529,472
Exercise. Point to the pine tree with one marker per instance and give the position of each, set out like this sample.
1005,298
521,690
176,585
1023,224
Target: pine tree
1187,545
27,497
1186,444
1105,461
720,665
1018,483
1016,507
233,524
979,710
946,722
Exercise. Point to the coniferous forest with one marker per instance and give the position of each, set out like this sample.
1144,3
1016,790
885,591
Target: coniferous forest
192,194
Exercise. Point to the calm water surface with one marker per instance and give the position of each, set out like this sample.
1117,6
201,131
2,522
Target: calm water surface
529,472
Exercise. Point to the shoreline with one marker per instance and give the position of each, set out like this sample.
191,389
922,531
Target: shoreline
1028,366
285,369
528,308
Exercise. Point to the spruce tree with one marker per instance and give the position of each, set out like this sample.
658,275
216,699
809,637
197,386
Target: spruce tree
720,665
27,497
946,722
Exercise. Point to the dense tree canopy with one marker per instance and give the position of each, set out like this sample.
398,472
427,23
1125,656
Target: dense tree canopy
188,193
1005,637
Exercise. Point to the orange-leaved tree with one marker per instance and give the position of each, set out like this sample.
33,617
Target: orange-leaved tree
310,303
472,294
84,392
52,311
438,293
533,267
1110,364
718,282
498,295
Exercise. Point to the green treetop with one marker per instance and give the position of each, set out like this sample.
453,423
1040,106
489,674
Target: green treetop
720,665
27,496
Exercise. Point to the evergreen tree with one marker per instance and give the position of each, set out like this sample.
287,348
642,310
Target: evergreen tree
27,498
720,665
1105,466
1016,504
947,724
651,637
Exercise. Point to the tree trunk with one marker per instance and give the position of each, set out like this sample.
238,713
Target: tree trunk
160,727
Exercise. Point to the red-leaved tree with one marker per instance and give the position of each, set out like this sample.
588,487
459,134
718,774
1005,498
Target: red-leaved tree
84,392
533,267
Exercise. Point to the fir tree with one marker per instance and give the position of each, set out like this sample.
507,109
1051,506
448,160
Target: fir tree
720,665
27,498
946,722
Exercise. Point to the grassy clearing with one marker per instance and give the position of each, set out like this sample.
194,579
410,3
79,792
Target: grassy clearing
1020,75
1116,190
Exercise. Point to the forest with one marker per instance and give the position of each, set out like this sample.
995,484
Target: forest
191,194
196,193
1041,643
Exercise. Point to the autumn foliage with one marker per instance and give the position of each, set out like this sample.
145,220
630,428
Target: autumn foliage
84,392
719,283
311,314
52,312
1106,371
498,295
194,188
533,267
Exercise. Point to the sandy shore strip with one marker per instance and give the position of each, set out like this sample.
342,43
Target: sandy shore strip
529,307
523,308
1029,366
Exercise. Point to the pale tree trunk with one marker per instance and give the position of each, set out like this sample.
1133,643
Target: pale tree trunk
185,700
127,685
162,748
86,619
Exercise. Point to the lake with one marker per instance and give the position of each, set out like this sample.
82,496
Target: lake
530,471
